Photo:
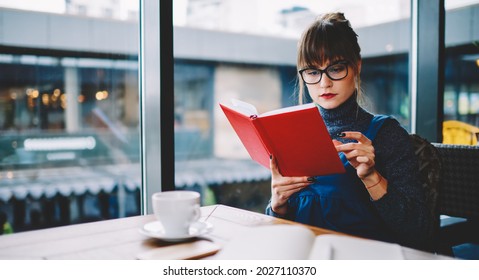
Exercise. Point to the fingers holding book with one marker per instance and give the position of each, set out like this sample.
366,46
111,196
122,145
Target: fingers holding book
284,187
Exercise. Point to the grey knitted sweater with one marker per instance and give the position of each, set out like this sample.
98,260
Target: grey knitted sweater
403,208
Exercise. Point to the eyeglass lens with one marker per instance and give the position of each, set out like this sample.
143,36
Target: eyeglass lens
335,72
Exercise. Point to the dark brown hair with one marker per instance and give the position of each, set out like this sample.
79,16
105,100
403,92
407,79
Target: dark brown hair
329,38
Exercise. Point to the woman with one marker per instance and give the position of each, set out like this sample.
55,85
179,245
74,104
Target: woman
379,196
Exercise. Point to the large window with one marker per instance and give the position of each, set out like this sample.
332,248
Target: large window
69,112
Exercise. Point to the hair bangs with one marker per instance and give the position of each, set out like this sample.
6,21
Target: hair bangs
326,42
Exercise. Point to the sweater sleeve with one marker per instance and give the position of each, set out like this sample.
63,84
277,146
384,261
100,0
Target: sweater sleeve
404,207
269,211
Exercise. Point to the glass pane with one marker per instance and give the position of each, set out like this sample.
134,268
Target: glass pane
247,50
461,89
69,112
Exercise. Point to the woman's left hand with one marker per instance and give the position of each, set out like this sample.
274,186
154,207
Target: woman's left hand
360,155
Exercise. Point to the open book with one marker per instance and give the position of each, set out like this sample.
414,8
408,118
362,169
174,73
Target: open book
295,242
296,136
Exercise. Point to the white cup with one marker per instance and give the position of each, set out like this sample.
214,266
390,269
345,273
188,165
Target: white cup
176,210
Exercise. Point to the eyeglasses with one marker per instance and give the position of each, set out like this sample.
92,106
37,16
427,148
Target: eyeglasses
335,72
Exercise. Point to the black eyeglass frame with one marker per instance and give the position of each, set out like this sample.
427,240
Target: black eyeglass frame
325,71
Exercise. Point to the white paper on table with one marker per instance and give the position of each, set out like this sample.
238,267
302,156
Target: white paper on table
294,242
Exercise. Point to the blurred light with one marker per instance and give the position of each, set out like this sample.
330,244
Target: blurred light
101,95
81,98
63,101
28,59
55,95
477,62
449,103
38,60
13,95
463,106
60,143
47,61
95,63
99,63
6,58
35,93
69,62
45,99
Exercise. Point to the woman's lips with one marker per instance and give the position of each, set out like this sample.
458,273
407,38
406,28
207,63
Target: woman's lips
327,95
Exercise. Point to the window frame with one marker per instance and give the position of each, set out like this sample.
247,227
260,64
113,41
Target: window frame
426,73
156,99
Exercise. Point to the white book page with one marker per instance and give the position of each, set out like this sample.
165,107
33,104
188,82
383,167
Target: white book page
244,107
339,247
249,109
289,109
272,242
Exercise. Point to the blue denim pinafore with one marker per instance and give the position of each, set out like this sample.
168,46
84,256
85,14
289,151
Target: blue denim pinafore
341,202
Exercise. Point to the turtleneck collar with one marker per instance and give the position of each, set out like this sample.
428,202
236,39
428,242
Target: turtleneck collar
346,113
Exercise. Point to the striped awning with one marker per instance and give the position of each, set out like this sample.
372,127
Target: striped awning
37,183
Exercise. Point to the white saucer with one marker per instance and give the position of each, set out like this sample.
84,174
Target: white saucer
155,230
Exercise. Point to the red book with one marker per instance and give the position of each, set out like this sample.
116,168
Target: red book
296,136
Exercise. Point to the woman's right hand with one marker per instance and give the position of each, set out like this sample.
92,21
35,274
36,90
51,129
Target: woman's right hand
283,187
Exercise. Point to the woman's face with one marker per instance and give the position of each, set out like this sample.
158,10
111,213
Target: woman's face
328,93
